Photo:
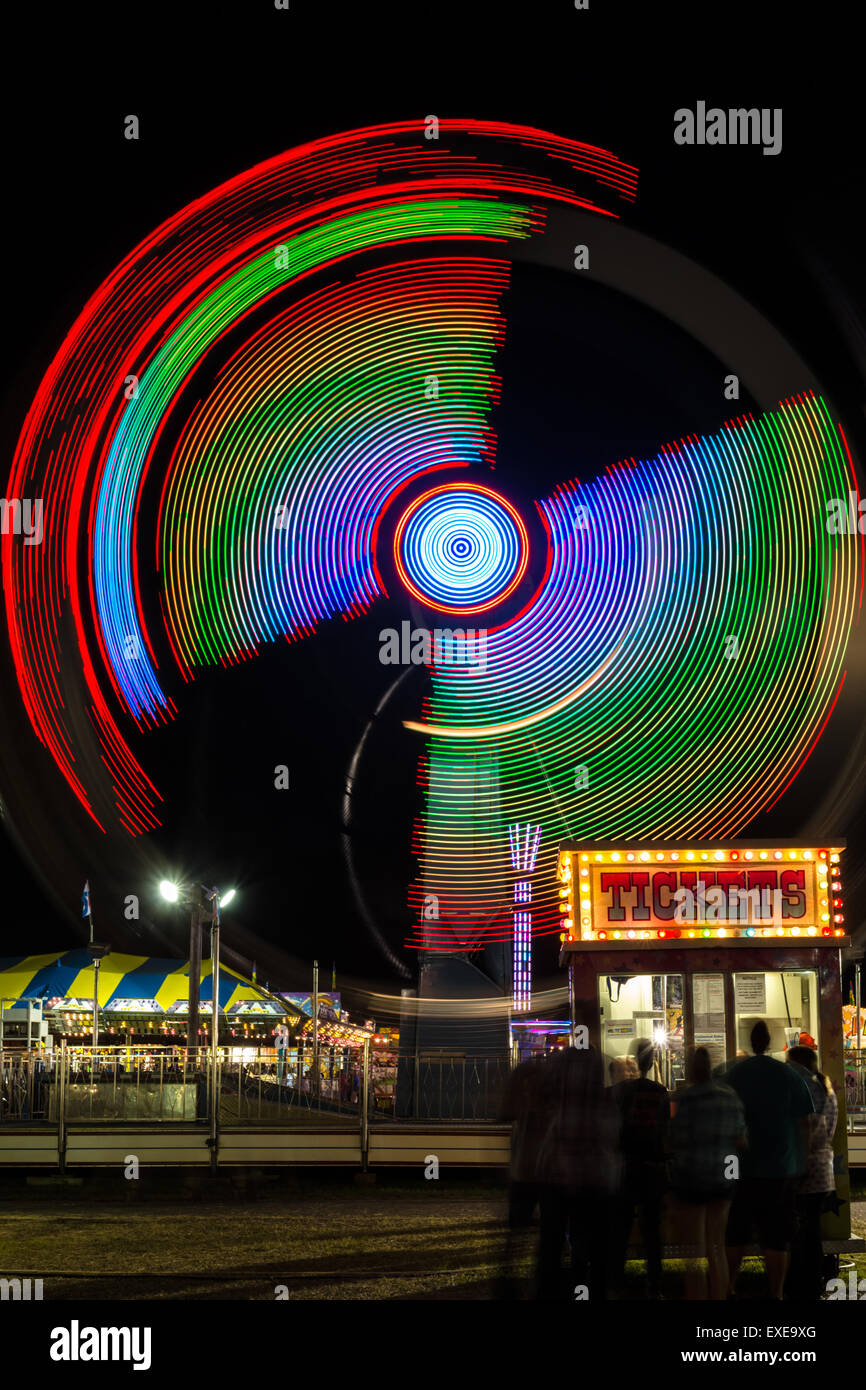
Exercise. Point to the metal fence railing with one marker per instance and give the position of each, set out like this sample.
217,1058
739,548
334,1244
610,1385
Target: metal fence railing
83,1085
855,1091
263,1088
457,1088
166,1084
124,1083
26,1080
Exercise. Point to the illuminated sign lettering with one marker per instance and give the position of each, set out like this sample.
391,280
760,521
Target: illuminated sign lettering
707,890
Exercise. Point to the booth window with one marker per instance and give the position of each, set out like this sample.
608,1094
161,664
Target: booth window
787,1001
708,1015
637,1007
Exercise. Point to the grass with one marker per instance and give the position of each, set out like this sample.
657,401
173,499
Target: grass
324,1239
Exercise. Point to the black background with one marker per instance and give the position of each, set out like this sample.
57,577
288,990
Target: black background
218,88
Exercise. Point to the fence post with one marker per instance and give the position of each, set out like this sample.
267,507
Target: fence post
364,1103
61,1107
215,1097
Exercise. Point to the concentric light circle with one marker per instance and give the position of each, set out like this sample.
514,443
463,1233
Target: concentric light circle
461,548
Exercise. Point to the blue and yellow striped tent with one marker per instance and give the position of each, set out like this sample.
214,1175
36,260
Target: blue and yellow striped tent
158,985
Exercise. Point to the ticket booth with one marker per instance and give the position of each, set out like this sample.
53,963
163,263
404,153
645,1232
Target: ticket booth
689,945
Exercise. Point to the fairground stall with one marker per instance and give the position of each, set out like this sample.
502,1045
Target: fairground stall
537,1037
141,999
333,1045
385,1046
142,1063
853,1025
690,944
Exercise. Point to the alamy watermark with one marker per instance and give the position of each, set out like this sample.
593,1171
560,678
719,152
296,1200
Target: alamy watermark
716,904
21,1290
438,646
77,1343
846,516
23,517
740,126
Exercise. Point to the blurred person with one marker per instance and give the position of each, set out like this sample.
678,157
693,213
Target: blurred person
281,1042
707,1130
723,1068
526,1104
579,1173
777,1103
623,1069
644,1108
806,1274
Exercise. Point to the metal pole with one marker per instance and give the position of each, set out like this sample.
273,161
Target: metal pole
61,1107
194,976
365,1101
95,1009
214,1035
316,1027
857,1019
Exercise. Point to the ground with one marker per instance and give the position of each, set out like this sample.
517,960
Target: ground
312,1240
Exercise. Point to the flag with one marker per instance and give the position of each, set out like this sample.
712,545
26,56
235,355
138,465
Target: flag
85,900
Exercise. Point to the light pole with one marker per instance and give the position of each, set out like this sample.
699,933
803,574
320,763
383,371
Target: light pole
214,897
215,1030
201,899
189,894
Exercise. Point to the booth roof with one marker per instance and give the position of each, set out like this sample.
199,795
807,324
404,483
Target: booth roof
148,979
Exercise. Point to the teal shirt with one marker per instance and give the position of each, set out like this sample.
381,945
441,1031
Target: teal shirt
774,1098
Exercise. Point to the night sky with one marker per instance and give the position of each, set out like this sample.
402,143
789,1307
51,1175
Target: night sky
223,88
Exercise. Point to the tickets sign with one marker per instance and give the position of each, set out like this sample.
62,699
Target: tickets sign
710,891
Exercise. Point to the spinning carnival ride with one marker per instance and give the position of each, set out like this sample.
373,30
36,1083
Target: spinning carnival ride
281,408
